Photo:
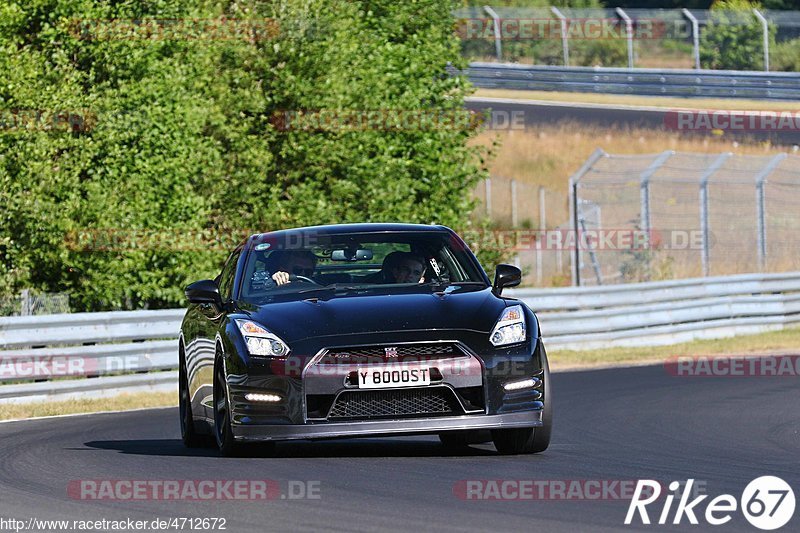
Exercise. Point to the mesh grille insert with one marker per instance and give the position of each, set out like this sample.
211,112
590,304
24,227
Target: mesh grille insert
392,403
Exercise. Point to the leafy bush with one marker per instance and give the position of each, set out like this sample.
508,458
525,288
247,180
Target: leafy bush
177,137
786,56
734,37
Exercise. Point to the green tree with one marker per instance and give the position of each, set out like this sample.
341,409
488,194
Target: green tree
176,136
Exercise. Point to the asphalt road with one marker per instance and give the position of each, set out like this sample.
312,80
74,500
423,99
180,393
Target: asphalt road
535,113
620,424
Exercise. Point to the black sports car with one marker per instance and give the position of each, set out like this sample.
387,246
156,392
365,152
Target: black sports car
361,330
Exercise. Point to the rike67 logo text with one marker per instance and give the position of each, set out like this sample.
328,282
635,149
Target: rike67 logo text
767,503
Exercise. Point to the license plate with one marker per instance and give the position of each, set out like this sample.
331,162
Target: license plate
383,377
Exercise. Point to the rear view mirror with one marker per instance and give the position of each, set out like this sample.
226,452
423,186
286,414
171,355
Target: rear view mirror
350,254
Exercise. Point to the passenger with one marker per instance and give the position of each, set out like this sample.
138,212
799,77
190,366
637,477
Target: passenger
405,268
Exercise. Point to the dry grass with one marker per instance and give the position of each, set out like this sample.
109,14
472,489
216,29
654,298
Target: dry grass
654,101
122,402
783,341
550,154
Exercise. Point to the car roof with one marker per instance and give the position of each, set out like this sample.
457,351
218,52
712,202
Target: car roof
366,227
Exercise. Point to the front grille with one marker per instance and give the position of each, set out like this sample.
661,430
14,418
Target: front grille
391,353
392,403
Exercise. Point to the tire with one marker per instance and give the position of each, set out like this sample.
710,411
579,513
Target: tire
189,435
529,440
222,420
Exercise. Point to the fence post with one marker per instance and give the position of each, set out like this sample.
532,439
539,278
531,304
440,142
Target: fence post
573,208
542,229
761,212
644,193
564,33
25,297
488,185
574,211
704,228
514,215
498,45
765,26
695,36
628,33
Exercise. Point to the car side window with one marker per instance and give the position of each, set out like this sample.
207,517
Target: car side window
226,277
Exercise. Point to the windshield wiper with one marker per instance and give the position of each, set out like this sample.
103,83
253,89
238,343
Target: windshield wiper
451,283
443,288
335,288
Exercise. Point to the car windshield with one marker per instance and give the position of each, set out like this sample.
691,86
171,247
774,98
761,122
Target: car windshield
299,262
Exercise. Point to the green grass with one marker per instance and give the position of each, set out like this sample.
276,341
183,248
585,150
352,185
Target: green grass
786,340
123,402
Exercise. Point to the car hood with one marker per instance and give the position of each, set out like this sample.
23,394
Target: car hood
353,314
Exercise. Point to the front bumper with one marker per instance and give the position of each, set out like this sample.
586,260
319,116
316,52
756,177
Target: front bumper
413,426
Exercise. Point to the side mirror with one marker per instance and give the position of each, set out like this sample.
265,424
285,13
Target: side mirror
506,276
204,292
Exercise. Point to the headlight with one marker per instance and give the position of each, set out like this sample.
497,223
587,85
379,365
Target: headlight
510,327
261,341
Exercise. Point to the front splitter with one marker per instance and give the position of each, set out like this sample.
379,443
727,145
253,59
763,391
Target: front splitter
408,426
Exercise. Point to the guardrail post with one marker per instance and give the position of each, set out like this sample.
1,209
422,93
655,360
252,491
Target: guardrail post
574,182
498,45
644,193
761,213
628,33
564,33
704,228
695,36
765,26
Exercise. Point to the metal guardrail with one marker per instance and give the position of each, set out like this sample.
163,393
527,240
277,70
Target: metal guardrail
637,81
664,312
105,353
142,347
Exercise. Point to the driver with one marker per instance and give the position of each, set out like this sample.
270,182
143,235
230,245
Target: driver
296,262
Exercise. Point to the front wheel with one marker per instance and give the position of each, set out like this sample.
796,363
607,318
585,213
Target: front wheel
222,419
189,435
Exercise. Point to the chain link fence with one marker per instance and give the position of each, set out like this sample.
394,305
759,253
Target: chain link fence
520,214
616,37
29,303
678,215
